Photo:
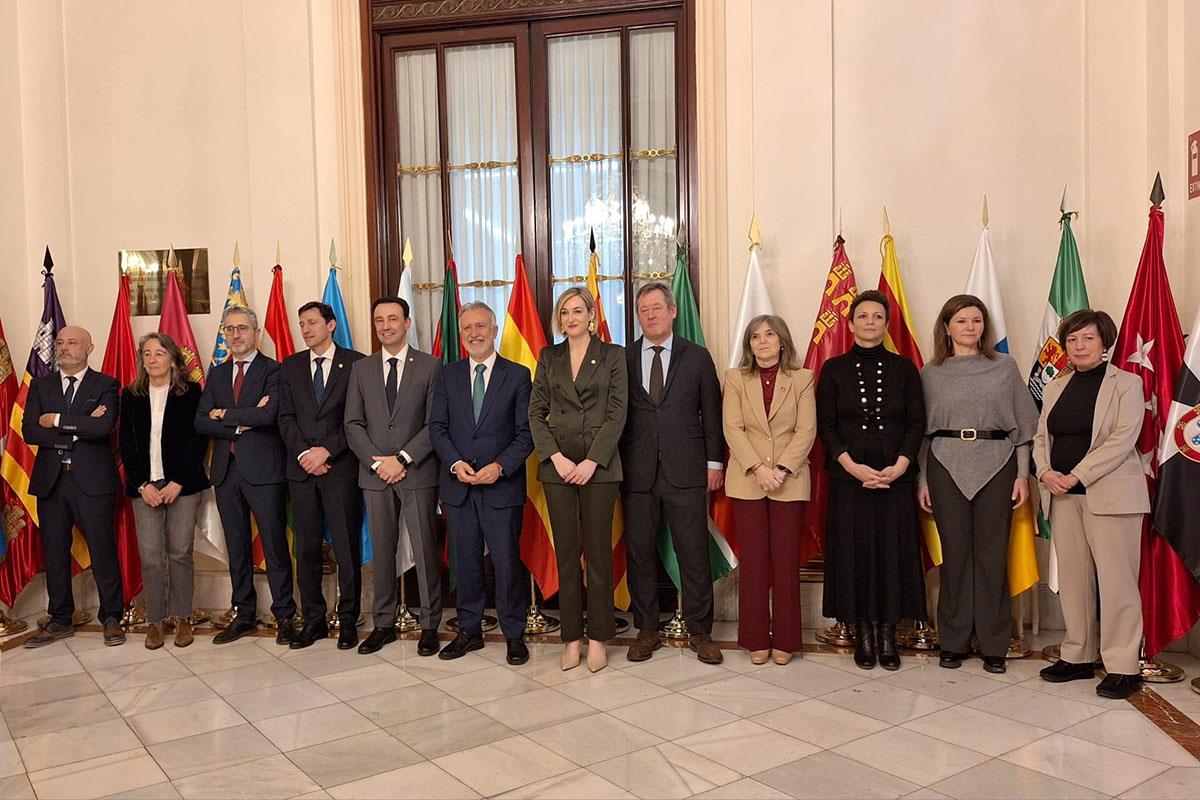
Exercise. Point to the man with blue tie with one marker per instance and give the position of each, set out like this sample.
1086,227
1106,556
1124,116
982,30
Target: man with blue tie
479,425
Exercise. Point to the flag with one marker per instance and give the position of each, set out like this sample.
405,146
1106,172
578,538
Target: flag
405,293
900,339
1176,512
236,296
1150,346
831,337
8,396
593,285
120,361
755,298
1022,553
332,297
276,319
721,559
24,547
174,322
446,345
522,342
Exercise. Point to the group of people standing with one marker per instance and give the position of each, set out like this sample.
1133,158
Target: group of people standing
335,431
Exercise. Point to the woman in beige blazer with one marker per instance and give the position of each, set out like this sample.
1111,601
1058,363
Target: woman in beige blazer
1094,493
770,420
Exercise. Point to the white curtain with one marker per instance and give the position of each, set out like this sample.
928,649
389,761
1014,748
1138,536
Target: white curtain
653,144
584,78
420,189
485,201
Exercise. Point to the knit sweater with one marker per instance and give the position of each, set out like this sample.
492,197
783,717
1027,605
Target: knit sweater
985,394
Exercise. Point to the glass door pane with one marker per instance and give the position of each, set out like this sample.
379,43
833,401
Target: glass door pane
653,148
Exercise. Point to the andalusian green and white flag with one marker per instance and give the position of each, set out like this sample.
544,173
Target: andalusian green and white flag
687,326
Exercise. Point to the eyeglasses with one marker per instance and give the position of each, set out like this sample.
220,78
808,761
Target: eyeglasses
236,329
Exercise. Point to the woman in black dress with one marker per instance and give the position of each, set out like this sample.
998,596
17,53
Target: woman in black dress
871,417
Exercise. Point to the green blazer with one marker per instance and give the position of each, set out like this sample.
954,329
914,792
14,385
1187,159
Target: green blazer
581,418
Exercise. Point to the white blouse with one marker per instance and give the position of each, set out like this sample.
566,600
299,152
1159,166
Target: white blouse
158,407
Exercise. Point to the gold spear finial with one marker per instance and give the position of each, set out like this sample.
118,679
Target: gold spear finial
277,258
237,254
755,234
332,253
985,211
408,255
887,223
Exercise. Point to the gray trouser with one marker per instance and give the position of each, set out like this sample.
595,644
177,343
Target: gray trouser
384,511
165,535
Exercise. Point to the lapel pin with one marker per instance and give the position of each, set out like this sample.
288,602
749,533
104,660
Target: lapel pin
341,365
593,361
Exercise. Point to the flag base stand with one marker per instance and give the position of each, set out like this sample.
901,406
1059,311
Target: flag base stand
77,619
335,622
405,621
198,617
486,623
9,626
837,635
675,630
538,623
1196,685
224,619
269,621
1017,648
1155,671
921,636
133,617
1052,652
620,624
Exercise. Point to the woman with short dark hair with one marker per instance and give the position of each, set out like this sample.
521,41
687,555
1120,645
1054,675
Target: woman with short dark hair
871,417
980,420
164,473
1094,494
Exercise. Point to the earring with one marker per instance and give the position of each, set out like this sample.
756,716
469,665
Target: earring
592,326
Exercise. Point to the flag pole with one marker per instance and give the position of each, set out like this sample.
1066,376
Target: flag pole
535,621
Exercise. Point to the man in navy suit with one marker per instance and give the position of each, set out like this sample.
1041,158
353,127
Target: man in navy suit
69,415
479,424
239,410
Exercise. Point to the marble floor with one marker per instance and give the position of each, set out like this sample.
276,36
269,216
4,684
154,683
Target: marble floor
250,719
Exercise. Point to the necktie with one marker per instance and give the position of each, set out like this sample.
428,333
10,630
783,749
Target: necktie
477,390
390,387
239,378
69,395
656,375
319,380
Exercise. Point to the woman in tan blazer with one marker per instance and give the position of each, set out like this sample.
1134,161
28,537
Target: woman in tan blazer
577,416
770,420
1094,493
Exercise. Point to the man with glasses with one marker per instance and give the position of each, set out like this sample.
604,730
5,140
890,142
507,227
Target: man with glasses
239,410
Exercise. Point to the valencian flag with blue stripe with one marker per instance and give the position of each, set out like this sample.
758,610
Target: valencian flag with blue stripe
24,558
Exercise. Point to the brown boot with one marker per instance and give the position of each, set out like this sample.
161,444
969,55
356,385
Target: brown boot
647,642
183,631
154,639
706,649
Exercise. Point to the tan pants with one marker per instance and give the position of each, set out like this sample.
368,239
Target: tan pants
1109,548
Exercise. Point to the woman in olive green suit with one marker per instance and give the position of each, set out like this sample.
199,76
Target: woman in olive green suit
577,415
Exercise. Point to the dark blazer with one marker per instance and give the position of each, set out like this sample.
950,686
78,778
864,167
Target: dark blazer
183,449
501,435
683,432
304,424
843,424
581,417
260,447
91,453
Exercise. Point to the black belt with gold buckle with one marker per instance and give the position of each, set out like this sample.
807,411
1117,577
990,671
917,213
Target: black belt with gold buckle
970,434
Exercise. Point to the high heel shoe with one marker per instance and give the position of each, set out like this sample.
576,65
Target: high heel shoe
781,656
597,657
759,656
570,656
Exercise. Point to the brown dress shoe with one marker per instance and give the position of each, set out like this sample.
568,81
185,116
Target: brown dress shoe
645,645
51,632
154,636
183,632
706,649
114,634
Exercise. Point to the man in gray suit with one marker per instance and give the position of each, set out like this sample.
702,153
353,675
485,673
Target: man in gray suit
387,426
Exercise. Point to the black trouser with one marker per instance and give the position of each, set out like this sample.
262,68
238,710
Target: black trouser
236,500
974,581
581,517
687,513
67,505
337,503
470,526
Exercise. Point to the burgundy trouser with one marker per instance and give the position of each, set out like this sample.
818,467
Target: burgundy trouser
769,590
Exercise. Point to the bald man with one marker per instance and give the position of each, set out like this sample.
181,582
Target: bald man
69,416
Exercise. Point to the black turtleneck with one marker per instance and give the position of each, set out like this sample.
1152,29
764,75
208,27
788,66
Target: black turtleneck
1070,421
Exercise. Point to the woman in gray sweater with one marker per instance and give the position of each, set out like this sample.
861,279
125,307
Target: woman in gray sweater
980,420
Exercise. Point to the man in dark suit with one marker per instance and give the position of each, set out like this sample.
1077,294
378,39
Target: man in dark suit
480,428
239,410
387,427
69,415
322,474
673,451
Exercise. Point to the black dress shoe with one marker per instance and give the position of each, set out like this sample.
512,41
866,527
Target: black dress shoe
518,653
428,644
1062,671
236,630
1117,687
378,638
285,631
995,664
889,656
460,645
950,659
310,635
864,644
347,636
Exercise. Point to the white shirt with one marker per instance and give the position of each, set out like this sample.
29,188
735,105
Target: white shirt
648,362
246,362
158,407
325,365
489,364
402,357
78,382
